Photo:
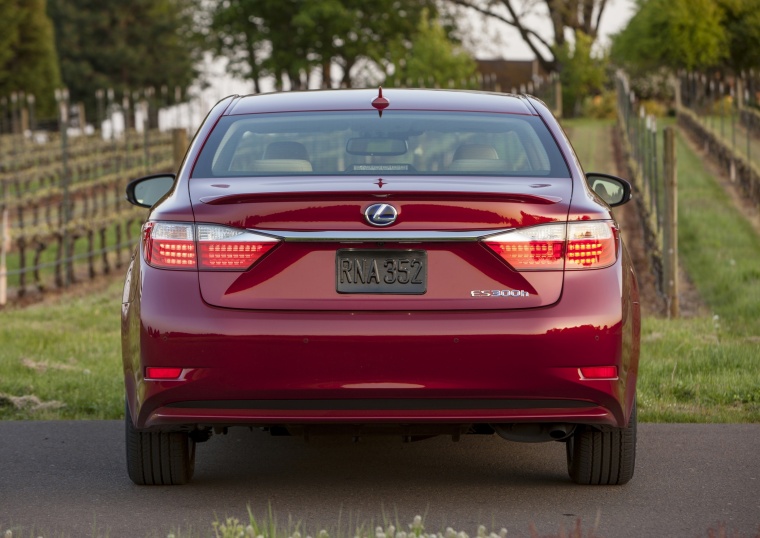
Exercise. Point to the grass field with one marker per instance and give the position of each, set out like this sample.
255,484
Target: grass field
61,359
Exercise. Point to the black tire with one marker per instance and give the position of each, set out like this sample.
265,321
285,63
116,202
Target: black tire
156,458
602,458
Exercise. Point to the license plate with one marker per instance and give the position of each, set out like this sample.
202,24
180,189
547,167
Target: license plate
381,271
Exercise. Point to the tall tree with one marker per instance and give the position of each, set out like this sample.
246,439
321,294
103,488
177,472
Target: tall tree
28,61
288,39
672,34
567,51
431,57
125,44
742,25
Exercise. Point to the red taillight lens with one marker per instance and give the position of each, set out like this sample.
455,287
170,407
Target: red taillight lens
152,372
583,245
228,248
535,248
231,255
171,245
599,372
591,245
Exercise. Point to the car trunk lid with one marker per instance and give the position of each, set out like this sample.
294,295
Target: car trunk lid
329,251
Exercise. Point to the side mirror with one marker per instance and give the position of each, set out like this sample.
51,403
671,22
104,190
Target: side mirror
612,189
146,191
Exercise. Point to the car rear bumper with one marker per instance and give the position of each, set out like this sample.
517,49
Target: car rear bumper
267,368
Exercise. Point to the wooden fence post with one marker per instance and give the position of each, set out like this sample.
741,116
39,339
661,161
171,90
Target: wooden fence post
670,240
558,97
179,142
5,243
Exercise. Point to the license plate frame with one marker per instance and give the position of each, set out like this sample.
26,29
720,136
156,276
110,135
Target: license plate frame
381,271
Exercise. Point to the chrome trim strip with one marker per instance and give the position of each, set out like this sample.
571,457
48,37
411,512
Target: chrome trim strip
381,235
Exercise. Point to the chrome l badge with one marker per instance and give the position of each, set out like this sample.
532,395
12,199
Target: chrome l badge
381,214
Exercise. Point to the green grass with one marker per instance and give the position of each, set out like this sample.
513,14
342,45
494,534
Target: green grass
718,247
67,351
693,370
592,142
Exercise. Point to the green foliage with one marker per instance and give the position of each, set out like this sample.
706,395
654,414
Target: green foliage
430,58
289,39
601,107
125,44
676,34
28,59
742,26
581,74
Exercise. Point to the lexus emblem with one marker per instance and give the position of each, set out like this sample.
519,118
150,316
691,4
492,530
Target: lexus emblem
381,214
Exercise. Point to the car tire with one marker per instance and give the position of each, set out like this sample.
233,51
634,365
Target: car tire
603,457
158,458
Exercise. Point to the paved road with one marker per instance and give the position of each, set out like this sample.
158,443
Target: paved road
69,479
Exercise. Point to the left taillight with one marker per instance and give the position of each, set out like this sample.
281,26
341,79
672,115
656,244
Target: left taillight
170,245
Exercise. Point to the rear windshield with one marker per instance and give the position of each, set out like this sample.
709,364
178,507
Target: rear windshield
363,142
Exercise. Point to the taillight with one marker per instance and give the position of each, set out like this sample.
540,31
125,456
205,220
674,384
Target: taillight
539,247
171,245
550,247
591,244
228,248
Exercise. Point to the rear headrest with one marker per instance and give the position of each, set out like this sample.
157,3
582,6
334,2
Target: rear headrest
286,150
475,151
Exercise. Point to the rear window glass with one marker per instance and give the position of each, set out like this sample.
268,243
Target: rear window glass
396,143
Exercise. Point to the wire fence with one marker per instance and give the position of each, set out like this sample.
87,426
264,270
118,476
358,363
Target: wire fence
722,115
651,160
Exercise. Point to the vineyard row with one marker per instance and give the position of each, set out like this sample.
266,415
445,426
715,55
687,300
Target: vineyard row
67,220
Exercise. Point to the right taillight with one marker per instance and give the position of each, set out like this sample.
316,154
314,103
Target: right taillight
550,247
170,245
591,244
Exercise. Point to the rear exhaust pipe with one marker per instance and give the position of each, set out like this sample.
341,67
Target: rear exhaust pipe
534,433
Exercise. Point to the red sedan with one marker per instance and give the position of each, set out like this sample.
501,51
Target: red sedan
410,262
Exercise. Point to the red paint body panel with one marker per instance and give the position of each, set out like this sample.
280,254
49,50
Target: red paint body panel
301,276
279,332
323,203
525,354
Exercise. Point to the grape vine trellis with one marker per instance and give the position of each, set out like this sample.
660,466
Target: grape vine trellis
101,226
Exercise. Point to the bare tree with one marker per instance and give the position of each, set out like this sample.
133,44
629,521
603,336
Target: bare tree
566,16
